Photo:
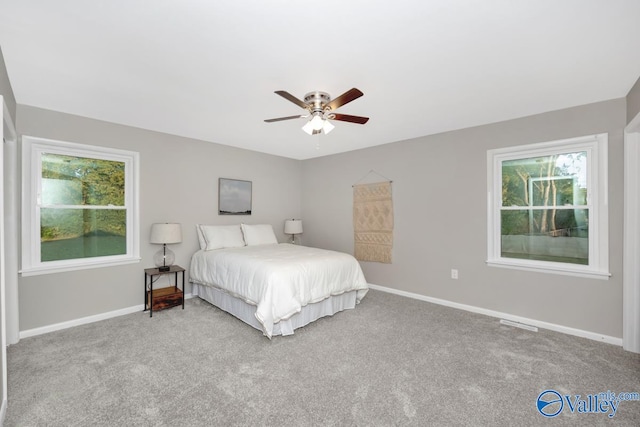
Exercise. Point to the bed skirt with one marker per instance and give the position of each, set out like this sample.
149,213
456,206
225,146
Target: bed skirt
246,312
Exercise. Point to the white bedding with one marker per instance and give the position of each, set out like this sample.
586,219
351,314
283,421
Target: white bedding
278,279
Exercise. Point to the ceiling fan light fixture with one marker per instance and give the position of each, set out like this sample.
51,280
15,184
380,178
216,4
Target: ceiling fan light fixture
308,127
317,122
327,127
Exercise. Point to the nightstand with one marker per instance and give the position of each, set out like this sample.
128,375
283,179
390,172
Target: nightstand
162,298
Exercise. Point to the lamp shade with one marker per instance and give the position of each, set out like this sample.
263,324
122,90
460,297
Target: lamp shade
308,128
166,233
327,127
293,226
317,122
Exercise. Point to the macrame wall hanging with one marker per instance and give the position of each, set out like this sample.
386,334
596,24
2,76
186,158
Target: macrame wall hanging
373,220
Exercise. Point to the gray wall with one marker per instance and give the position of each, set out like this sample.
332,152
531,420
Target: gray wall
440,207
633,101
178,183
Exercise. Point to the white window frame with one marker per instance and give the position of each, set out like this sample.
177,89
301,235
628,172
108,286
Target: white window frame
596,147
32,149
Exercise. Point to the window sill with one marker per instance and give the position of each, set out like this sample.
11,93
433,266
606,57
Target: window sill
36,271
591,274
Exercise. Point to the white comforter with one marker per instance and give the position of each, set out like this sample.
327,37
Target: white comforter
278,279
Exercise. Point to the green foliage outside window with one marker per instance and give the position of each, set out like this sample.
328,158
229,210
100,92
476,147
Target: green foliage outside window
546,188
544,213
82,207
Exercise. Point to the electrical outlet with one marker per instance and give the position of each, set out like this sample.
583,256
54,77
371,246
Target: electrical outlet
454,273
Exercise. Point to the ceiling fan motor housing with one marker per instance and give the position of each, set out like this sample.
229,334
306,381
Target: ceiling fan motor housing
317,100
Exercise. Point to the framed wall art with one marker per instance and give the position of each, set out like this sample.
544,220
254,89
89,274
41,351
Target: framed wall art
234,197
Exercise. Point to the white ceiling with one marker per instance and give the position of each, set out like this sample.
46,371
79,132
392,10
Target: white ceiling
208,69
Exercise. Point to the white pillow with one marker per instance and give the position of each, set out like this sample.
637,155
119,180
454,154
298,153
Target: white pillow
261,234
201,240
222,236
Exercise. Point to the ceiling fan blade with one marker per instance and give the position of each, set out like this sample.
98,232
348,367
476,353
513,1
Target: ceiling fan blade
348,118
279,119
286,95
346,97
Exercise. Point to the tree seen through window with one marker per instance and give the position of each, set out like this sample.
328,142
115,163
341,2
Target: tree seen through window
82,210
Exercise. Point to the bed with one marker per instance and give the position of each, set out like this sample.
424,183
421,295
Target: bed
274,287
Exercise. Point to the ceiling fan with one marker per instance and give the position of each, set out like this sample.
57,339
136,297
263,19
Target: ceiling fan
321,109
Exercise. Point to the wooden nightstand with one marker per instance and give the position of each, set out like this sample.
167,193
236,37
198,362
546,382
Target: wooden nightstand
164,297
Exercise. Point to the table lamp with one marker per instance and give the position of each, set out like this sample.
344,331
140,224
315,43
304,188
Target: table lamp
293,227
165,234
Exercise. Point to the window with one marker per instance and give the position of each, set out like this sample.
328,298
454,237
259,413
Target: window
547,207
80,206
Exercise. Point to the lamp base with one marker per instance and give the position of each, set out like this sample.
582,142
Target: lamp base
164,258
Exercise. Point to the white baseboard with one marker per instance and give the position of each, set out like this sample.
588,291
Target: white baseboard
84,320
3,411
543,325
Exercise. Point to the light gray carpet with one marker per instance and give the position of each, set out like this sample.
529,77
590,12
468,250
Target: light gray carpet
391,361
